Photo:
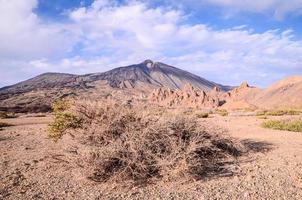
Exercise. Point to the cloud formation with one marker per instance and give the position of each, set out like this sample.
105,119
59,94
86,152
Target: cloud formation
110,34
276,8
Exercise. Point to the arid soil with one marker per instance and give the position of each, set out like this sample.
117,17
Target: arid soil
32,166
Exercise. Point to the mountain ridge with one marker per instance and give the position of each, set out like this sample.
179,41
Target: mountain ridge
169,76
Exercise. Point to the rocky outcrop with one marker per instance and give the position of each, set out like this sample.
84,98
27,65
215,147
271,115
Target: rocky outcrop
186,97
240,97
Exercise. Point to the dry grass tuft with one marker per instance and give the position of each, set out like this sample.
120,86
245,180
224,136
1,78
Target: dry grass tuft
262,117
5,115
202,115
278,112
295,126
138,144
222,112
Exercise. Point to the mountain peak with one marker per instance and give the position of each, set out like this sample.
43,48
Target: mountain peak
244,85
149,63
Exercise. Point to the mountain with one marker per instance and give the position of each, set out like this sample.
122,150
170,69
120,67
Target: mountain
286,93
36,94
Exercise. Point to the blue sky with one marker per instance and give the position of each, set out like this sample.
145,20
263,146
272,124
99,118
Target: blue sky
226,41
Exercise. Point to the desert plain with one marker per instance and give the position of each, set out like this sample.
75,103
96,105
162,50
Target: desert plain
35,167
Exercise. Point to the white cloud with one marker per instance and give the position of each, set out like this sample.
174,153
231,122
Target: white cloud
24,35
109,34
278,8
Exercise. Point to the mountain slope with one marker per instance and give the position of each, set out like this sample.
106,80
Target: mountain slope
47,80
286,93
153,73
41,90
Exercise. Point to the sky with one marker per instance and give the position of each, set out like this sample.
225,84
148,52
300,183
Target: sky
225,41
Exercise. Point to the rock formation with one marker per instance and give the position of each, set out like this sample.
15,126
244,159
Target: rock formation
186,97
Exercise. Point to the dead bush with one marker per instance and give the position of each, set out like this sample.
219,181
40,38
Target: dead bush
132,144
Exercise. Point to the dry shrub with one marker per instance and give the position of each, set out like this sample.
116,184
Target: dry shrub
137,145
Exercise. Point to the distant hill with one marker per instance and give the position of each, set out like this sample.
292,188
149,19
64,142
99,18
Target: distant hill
36,94
286,93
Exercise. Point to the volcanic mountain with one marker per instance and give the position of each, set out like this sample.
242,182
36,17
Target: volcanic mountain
36,94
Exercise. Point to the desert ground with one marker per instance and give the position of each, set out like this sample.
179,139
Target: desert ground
32,166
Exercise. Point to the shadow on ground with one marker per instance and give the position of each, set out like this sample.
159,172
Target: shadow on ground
252,146
229,168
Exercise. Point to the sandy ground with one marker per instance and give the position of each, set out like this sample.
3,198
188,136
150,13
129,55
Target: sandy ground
34,167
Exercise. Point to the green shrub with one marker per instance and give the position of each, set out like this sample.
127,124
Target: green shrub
60,105
63,120
202,115
295,126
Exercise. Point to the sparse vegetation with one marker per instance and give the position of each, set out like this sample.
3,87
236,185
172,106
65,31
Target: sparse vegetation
295,126
262,117
39,115
60,105
5,115
63,120
132,144
222,112
278,112
261,113
202,115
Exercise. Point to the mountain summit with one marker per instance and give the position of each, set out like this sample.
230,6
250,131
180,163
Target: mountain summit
148,72
156,74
